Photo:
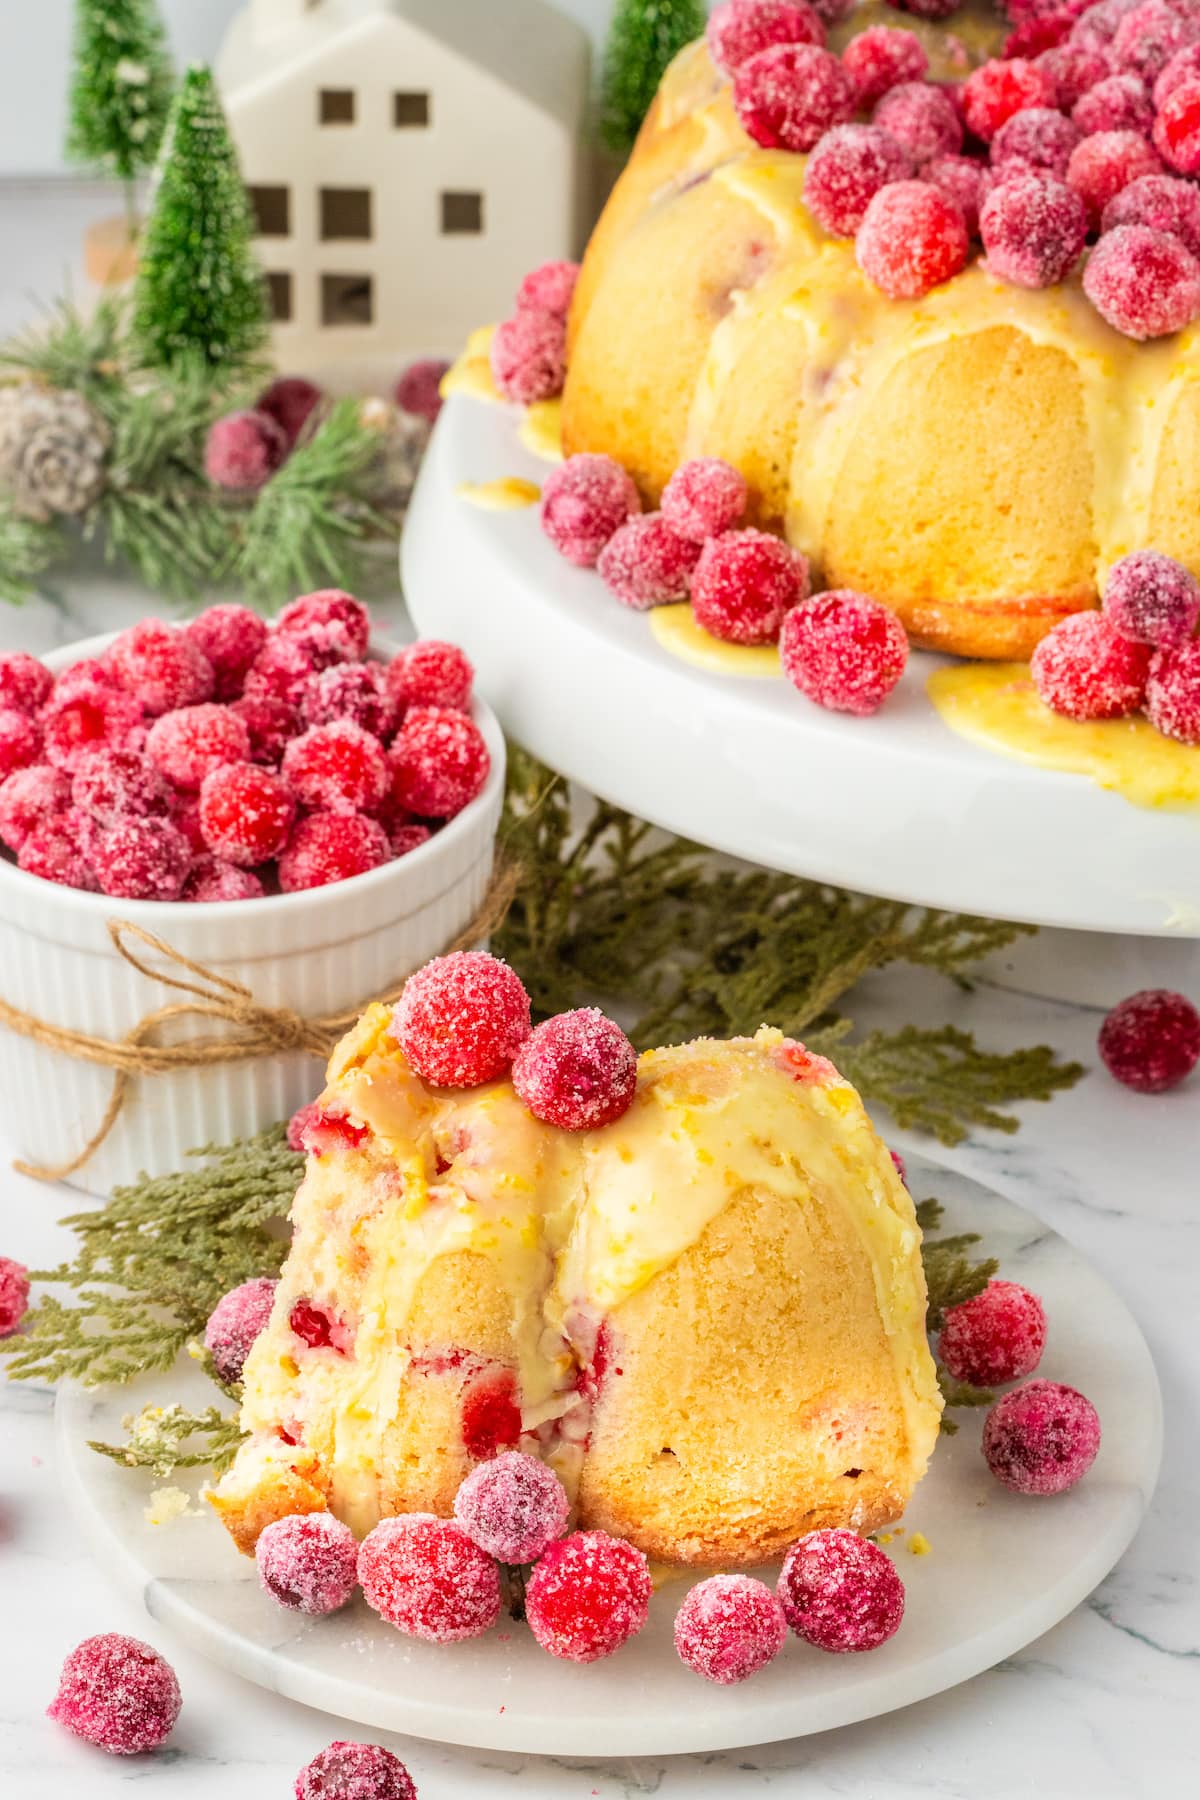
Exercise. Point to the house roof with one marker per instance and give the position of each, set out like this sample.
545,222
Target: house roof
528,45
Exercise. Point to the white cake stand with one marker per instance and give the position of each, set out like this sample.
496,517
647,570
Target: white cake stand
1001,1569
897,804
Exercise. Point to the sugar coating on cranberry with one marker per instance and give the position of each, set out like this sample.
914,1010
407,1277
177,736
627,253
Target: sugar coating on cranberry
913,238
291,402
1097,25
137,858
230,637
20,741
1086,670
844,651
922,118
243,451
589,1594
270,722
235,1322
962,179
1151,1041
53,850
840,1592
336,768
440,762
1038,138
332,623
1104,163
1074,70
1034,35
704,497
407,835
419,389
1119,103
308,1562
25,683
1034,229
113,784
426,1577
1152,599
345,1771
882,57
189,744
1173,693
14,1296
744,583
529,356
513,1507
356,692
646,563
996,1337
549,288
462,1018
246,813
577,1070
1150,35
846,171
117,1693
30,797
788,97
331,846
740,29
1164,203
431,673
729,1627
1145,283
927,9
993,93
161,666
210,880
282,670
584,500
1177,127
1183,66
1041,1438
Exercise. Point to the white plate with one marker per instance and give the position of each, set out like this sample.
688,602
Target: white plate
896,804
1001,1571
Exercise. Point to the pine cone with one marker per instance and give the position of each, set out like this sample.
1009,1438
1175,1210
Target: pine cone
403,442
52,450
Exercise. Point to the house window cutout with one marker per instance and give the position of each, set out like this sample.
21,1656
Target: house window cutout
410,111
345,213
347,300
272,207
335,106
462,214
279,295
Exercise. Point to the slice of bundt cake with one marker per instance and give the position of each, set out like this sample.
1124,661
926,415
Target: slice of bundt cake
708,1316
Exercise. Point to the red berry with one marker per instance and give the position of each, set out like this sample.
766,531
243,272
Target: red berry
333,625
550,288
704,497
993,93
881,58
1074,70
1145,283
927,9
270,723
161,667
419,389
1033,36
117,1693
1149,36
238,1318
788,97
922,118
1083,669
31,797
1034,230
743,585
245,813
20,741
831,11
112,784
54,851
230,637
352,692
137,858
25,683
529,356
425,1577
282,670
14,1296
1183,66
1119,103
319,1131
912,239
729,1627
1173,693
1106,162
963,180
1164,203
1151,1042
407,837
1097,26
996,1337
1177,128
440,762
461,1019
321,1329
901,1166
844,651
846,171
243,451
1037,139
210,880
1041,1438
431,673
588,1595
336,768
584,501
491,1414
740,29
331,846
840,1592
578,1071
514,1507
291,402
645,563
189,744
87,718
1152,599
355,1772
308,1562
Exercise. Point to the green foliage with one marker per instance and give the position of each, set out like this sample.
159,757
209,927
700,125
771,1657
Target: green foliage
952,1278
74,350
165,1438
27,549
199,290
120,86
644,38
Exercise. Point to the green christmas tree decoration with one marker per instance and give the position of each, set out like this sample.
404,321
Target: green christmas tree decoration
644,37
121,86
200,292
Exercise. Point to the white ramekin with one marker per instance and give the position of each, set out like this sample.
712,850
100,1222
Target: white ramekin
318,952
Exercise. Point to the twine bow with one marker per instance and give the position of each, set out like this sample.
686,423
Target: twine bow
257,1030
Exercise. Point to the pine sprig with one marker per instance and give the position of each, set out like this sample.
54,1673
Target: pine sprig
165,1438
27,549
72,350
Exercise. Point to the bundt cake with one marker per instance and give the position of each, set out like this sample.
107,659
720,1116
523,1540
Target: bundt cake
975,459
708,1316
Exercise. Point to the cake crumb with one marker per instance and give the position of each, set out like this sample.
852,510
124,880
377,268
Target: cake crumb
166,1505
919,1544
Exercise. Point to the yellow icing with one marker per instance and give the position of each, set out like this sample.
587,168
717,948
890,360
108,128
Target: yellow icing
996,705
504,495
541,430
919,1544
472,373
677,632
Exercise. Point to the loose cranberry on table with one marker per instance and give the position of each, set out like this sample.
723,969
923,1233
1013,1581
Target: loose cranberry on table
840,1593
739,29
1041,1438
118,1694
1151,1041
729,1628
589,1594
996,1337
427,1578
243,451
344,1771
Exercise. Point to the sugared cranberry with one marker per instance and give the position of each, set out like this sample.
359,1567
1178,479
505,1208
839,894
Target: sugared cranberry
844,651
645,563
1173,693
846,171
117,1693
881,58
588,1595
584,501
308,1562
112,784
333,624
25,683
461,1019
291,402
1106,162
1034,229
14,1297
1151,1042
1041,1438
425,1577
1085,670
513,1507
996,1337
20,741
282,670
139,858
189,744
962,179
927,9
1097,26
210,880
704,497
161,667
743,585
993,93
419,389
729,1627
1164,203
336,768
1177,128
243,451
1183,66
1038,138
740,29
270,722
1152,599
922,118
431,673
1037,34
549,288
31,797
901,1166
912,239
577,1070
356,692
230,637
234,1323
345,1771
1145,283
407,836
787,98
331,846
440,762
1149,36
529,356
246,813
840,1592
1119,103
54,851
1073,70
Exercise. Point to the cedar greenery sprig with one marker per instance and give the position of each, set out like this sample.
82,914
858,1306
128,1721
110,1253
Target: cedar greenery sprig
165,1438
952,1278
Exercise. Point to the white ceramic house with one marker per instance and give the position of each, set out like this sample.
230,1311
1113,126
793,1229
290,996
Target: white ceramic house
408,161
